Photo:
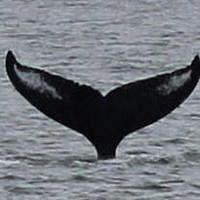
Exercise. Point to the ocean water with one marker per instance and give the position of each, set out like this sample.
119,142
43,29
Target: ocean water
103,44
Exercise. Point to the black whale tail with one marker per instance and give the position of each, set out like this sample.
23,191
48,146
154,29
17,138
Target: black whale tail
103,120
10,59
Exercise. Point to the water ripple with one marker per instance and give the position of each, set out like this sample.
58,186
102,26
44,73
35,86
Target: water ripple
104,44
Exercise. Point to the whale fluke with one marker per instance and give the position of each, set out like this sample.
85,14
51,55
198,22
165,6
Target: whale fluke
103,120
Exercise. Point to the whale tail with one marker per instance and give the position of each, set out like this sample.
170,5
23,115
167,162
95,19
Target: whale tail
103,120
65,101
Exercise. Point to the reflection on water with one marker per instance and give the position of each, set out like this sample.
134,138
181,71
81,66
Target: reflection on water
103,44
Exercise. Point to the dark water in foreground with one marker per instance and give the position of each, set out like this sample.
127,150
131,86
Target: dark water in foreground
103,44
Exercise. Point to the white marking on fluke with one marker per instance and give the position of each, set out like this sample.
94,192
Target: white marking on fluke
36,82
174,83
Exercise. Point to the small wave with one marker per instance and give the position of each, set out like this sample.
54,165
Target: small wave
11,177
146,159
148,185
153,186
195,115
196,185
176,140
75,161
192,156
9,162
84,178
26,190
173,181
136,152
161,160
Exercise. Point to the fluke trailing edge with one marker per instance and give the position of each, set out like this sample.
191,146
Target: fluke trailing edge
103,120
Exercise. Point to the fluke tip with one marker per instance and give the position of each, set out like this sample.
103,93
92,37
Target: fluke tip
10,58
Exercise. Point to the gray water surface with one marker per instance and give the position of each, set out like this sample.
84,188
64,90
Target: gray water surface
103,44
